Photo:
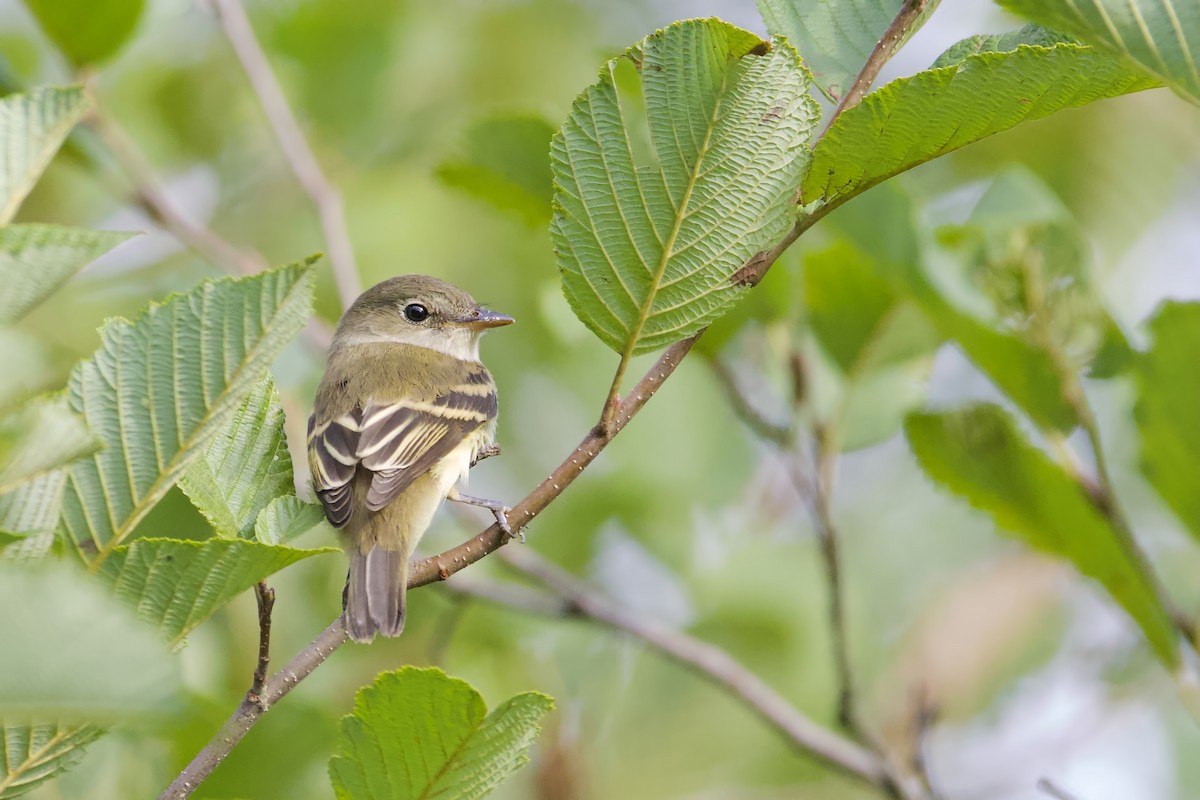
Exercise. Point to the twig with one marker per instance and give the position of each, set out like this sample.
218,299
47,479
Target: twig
295,147
265,596
747,410
884,49
717,666
1048,787
149,196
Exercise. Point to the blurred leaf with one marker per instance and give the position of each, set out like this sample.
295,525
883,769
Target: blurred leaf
160,388
979,454
418,733
647,246
37,259
32,753
999,43
846,301
32,126
916,119
1022,255
175,585
39,437
1160,37
245,466
1168,410
506,163
87,31
74,653
30,514
26,364
285,518
834,37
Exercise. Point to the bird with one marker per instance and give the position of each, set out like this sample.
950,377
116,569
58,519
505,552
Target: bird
404,409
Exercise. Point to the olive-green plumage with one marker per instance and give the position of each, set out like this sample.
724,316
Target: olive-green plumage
402,412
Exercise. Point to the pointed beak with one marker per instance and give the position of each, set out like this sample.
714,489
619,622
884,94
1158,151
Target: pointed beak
483,318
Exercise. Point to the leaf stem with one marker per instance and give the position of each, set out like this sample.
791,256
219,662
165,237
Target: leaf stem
265,596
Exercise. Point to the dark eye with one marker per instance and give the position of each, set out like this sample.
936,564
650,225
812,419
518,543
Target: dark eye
415,312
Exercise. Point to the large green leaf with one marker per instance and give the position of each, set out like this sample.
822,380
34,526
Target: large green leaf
1160,36
245,466
32,126
998,43
506,163
1168,410
161,387
418,734
32,753
285,518
36,259
653,220
72,652
39,437
834,36
175,585
916,119
979,454
87,31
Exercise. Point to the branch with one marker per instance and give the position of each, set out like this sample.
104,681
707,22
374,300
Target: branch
884,49
295,147
265,596
150,197
1048,787
716,666
746,409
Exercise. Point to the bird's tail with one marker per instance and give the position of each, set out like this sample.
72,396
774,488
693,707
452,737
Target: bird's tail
375,593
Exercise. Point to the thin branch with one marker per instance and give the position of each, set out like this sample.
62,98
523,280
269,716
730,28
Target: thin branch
1048,787
747,409
717,666
884,49
265,596
150,197
295,147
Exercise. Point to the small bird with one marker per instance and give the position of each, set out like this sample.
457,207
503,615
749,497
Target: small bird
404,409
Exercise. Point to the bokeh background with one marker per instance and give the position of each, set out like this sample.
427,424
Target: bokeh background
686,517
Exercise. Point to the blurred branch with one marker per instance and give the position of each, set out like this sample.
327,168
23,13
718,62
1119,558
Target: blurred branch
295,147
1046,786
747,409
150,197
717,666
265,596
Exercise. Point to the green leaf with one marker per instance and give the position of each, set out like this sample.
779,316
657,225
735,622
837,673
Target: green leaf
506,163
653,220
37,259
245,466
32,126
1168,410
26,363
879,339
979,454
39,437
999,43
285,518
86,31
34,752
1160,37
835,37
175,585
916,119
72,652
29,514
418,733
160,388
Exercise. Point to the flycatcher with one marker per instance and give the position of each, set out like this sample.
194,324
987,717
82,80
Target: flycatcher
404,410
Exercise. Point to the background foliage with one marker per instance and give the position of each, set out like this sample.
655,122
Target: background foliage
974,291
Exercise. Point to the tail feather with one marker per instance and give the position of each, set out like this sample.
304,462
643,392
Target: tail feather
375,593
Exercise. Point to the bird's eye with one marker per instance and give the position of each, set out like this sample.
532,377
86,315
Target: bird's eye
415,312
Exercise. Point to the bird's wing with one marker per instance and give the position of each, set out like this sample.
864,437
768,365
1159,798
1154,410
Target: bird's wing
395,441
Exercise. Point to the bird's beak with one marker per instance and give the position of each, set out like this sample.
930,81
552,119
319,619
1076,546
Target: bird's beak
483,318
